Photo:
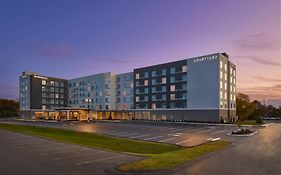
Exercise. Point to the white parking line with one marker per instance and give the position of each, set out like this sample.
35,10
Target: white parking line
218,132
153,138
215,139
167,139
116,133
182,142
203,131
166,129
140,136
124,135
58,158
97,160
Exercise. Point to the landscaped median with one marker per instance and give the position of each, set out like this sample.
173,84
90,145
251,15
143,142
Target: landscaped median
160,156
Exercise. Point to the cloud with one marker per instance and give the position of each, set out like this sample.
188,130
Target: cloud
263,92
254,41
268,79
59,49
257,59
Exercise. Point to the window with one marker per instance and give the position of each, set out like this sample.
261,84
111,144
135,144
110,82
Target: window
221,94
231,71
145,98
146,74
164,89
225,96
57,95
230,79
184,78
225,86
172,105
183,96
43,101
173,70
221,74
52,101
137,91
56,83
225,76
61,96
43,88
221,84
221,64
61,90
43,107
61,102
184,69
43,95
153,81
153,106
172,79
163,71
153,89
153,73
43,82
225,66
137,76
146,82
137,83
164,97
172,88
164,80
146,90
124,100
137,98
172,96
153,97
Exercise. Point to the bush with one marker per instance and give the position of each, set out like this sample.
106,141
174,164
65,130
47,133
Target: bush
259,120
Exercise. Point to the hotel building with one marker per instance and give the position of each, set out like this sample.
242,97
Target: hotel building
199,89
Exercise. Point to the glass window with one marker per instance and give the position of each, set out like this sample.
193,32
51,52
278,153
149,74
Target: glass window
137,98
137,83
153,81
57,95
146,82
172,96
137,76
172,88
221,74
173,79
221,64
173,70
172,105
184,77
153,73
43,88
184,69
153,97
164,80
225,86
61,90
163,71
164,89
146,90
43,101
56,83
145,98
52,82
43,82
137,90
164,97
153,89
225,66
146,74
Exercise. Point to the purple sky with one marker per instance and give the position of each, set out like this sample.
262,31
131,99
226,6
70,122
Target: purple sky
69,38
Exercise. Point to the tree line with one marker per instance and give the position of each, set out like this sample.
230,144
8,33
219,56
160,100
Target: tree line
9,108
253,110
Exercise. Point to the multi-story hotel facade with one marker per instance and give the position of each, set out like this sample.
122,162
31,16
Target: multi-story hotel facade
199,89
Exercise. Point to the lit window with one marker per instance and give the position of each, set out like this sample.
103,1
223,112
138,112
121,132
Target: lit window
164,80
225,95
43,82
137,98
57,95
153,106
221,94
146,82
221,84
225,86
172,88
184,68
225,66
137,76
225,76
221,64
221,74
172,96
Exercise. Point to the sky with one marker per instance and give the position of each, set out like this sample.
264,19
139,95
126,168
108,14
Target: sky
73,38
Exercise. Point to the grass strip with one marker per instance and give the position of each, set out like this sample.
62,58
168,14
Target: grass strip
93,140
174,158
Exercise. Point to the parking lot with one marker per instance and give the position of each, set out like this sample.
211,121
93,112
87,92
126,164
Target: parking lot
22,154
171,133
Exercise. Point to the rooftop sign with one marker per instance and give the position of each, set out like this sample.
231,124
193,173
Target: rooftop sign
37,76
206,58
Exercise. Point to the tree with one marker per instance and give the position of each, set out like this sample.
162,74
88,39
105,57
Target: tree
244,108
9,108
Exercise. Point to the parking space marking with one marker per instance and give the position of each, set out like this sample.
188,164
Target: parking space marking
58,158
182,142
167,139
123,132
153,138
140,136
203,131
215,139
124,135
218,132
98,160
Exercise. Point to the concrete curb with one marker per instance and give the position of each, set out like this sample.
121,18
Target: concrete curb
242,135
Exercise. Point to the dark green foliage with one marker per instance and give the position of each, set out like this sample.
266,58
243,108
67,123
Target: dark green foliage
9,108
